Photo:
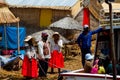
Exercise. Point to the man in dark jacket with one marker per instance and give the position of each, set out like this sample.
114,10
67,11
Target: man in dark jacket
84,41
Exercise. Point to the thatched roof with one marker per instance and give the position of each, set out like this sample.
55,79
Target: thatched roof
66,23
6,16
37,35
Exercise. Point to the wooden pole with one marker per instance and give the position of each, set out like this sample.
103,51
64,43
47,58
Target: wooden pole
112,42
18,38
0,63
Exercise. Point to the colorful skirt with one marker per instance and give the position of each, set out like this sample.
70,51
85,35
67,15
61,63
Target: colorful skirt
57,60
30,67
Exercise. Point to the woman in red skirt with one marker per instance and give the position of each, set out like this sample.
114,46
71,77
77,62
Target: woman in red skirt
30,65
57,60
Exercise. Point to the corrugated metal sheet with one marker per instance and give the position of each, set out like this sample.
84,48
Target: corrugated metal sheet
39,3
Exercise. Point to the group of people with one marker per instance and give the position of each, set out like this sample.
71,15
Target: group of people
42,54
84,42
48,54
91,65
99,66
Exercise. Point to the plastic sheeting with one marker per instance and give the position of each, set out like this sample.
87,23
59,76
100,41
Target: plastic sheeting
10,37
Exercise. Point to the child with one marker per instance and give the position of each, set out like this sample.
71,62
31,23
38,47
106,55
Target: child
101,69
95,67
88,63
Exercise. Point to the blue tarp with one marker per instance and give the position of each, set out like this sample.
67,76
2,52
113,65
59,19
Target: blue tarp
10,37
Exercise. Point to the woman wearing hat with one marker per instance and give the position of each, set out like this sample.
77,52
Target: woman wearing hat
29,66
44,54
57,60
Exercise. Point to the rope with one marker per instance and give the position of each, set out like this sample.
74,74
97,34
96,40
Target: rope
54,65
41,69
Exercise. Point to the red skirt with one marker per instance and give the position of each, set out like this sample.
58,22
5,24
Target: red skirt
57,60
30,67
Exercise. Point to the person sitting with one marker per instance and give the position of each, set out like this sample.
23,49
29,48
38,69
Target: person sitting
110,68
95,67
88,63
118,67
101,69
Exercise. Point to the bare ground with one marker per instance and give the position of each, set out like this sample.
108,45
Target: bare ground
71,63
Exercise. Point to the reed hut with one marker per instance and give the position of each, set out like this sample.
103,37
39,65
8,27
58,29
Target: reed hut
67,27
41,12
7,17
37,35
94,8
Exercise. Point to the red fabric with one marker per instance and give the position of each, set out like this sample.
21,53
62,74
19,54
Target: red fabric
57,60
29,68
7,52
86,18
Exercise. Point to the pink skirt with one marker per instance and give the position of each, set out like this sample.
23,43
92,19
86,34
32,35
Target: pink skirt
57,60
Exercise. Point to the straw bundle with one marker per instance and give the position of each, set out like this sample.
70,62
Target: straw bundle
6,16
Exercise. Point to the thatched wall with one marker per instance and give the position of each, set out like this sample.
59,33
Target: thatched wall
59,14
28,16
94,23
31,16
79,17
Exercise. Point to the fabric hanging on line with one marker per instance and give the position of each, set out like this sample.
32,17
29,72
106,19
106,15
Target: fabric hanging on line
86,17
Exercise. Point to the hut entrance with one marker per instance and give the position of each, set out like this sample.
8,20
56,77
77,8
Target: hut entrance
45,17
